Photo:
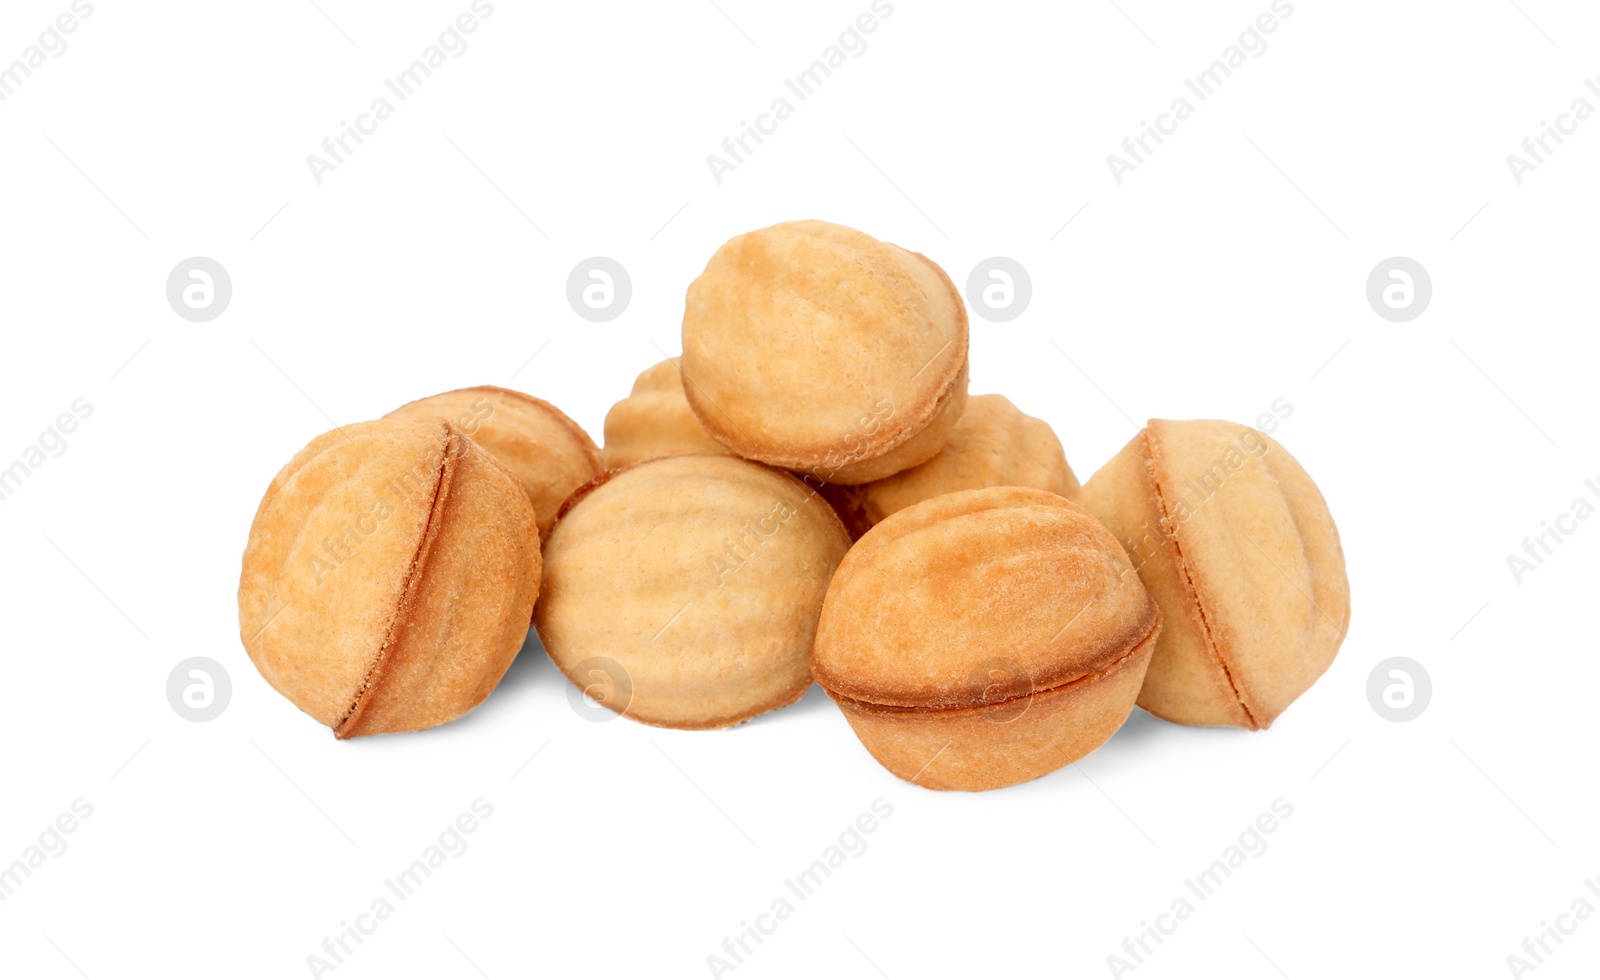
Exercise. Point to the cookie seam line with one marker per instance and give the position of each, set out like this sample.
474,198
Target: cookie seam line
925,709
1189,583
375,670
1033,502
938,405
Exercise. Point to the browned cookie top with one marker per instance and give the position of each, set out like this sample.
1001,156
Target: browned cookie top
1008,574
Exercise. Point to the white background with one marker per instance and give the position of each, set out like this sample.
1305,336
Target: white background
1223,274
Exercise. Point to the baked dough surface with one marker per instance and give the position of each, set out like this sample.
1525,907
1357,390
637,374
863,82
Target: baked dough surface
818,348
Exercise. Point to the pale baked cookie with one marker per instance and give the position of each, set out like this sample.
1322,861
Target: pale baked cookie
1236,543
389,577
985,638
655,420
820,349
694,581
549,453
993,444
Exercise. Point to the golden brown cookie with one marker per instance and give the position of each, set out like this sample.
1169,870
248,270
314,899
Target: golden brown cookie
820,349
389,577
655,420
549,453
993,444
693,580
985,638
1236,543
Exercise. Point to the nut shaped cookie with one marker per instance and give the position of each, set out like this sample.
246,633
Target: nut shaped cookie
993,444
1236,544
820,349
695,583
389,577
655,420
545,450
984,638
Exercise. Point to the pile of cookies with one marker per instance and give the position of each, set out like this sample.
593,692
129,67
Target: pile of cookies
807,495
